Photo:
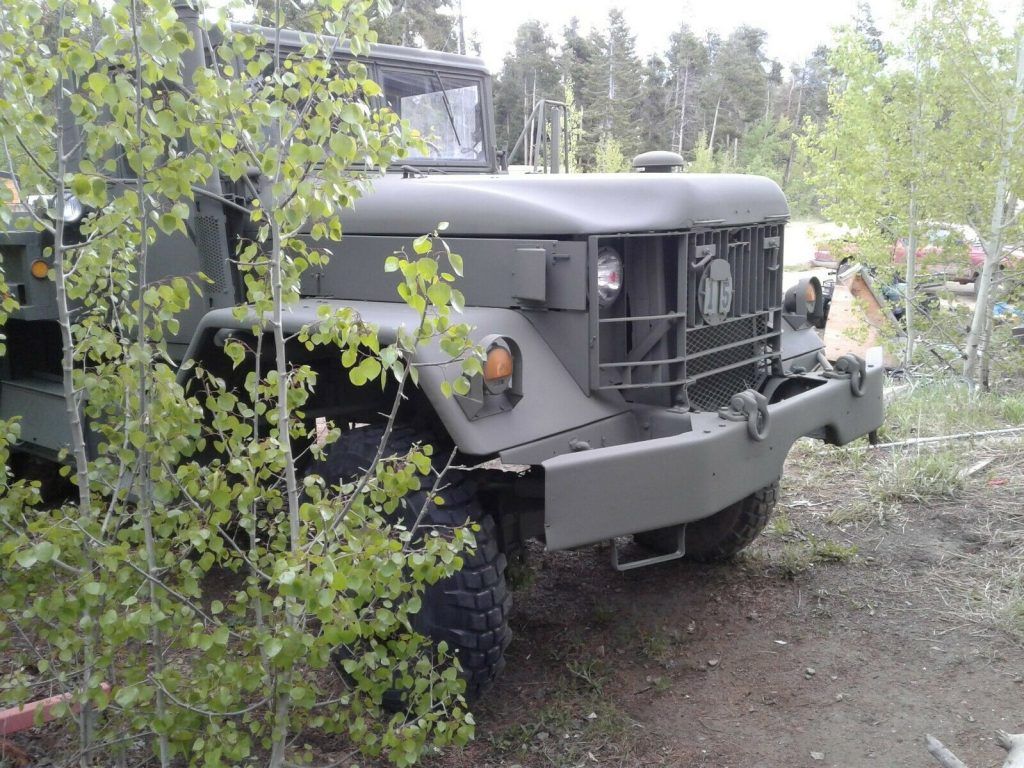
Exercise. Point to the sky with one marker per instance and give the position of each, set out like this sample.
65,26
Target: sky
795,27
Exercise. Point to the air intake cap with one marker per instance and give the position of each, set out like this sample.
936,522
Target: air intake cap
658,161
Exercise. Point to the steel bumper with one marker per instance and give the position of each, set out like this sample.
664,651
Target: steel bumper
599,494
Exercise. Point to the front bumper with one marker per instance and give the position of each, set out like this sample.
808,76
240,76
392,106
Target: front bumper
599,494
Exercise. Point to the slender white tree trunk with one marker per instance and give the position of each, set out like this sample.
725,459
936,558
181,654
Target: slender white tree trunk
997,223
682,109
714,124
145,502
908,316
79,449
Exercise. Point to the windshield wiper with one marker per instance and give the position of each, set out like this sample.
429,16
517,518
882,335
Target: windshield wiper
447,107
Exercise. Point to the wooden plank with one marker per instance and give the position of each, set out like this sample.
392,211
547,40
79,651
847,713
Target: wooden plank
856,319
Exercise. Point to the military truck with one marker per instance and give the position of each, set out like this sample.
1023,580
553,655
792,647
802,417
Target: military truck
645,375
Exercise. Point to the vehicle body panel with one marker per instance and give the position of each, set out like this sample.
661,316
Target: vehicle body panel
599,494
570,205
552,400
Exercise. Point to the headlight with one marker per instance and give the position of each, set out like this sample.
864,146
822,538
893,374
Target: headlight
46,205
73,209
609,276
806,299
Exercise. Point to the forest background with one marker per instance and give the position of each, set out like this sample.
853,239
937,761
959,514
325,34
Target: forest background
720,101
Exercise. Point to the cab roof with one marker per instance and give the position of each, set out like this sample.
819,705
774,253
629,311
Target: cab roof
393,54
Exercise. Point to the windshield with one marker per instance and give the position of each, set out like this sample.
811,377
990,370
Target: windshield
444,109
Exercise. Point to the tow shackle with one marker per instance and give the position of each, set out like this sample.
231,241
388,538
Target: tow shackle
853,367
752,407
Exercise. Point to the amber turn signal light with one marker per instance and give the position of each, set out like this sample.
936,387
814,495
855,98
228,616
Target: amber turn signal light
498,364
12,188
39,269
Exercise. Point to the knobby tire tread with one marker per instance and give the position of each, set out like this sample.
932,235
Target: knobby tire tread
470,609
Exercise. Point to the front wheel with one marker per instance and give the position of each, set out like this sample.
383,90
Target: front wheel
722,535
468,610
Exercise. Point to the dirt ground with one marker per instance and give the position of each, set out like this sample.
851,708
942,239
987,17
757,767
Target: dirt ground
847,632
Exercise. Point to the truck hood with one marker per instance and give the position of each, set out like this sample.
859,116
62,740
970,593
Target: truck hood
563,205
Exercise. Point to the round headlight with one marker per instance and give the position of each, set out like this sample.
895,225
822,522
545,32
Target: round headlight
46,205
609,276
73,208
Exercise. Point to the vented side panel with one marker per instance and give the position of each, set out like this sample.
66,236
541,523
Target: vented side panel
212,244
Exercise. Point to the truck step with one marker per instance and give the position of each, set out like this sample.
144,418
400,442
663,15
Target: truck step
643,562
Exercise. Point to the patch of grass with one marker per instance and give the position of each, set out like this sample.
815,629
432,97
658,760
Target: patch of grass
925,476
780,524
591,672
1011,408
828,551
819,461
797,557
657,645
603,613
948,407
1013,617
860,510
520,573
572,730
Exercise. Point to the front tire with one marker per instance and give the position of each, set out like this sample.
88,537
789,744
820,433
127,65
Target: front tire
469,610
722,535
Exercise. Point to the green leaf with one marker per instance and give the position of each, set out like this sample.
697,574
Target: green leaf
422,245
439,294
126,696
273,647
26,558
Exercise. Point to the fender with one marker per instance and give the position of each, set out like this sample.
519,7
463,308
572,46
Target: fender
552,401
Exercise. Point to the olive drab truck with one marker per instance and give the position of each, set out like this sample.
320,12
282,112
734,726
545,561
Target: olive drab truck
646,374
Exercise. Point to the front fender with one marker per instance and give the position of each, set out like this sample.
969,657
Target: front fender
552,401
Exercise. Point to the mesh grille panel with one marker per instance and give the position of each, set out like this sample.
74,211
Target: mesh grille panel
713,390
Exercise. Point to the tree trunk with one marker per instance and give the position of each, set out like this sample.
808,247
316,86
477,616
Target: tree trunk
908,352
994,242
144,507
462,31
682,109
714,124
795,128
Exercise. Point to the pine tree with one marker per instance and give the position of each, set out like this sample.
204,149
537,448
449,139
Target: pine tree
688,60
529,73
419,24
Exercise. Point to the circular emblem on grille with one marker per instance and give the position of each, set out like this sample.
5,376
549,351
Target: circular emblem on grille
714,293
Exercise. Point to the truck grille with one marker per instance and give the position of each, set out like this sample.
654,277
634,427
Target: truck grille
686,332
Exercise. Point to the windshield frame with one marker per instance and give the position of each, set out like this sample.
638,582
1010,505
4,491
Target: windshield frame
487,162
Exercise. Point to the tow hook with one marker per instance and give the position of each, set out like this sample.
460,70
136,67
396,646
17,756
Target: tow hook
752,407
851,367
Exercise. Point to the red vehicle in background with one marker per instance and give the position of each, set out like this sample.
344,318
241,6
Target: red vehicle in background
954,253
946,251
